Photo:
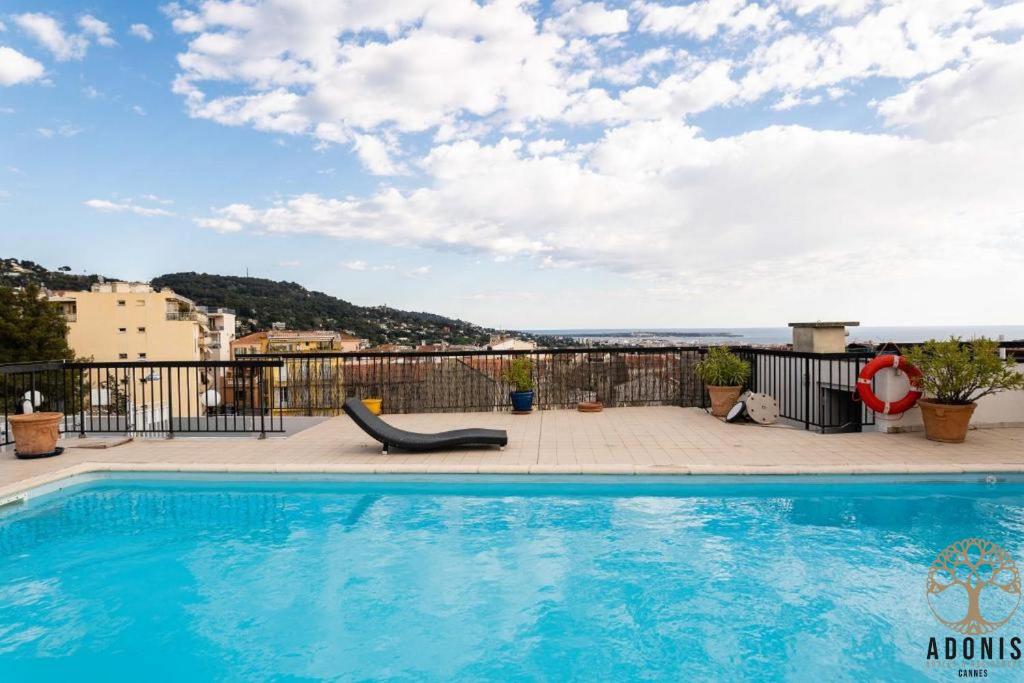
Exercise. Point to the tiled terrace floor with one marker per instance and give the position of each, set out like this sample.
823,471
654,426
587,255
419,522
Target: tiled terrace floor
657,440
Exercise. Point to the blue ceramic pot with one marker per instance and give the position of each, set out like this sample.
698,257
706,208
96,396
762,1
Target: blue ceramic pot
522,400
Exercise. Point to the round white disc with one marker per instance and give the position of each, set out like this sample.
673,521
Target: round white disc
762,408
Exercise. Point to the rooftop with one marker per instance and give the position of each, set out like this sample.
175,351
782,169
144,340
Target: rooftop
649,440
293,334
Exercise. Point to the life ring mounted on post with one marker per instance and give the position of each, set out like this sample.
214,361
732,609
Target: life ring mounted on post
876,404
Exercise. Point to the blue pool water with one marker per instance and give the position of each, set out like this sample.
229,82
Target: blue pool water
788,579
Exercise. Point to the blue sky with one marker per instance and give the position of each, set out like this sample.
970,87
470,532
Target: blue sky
719,162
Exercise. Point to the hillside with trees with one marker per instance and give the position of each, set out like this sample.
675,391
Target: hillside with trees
260,302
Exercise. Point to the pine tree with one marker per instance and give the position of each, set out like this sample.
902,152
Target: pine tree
31,328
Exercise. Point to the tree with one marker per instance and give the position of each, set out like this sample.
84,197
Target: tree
31,328
973,565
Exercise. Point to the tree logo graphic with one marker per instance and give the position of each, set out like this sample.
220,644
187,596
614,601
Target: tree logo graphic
973,586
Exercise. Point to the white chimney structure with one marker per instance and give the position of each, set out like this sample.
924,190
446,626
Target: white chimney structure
820,337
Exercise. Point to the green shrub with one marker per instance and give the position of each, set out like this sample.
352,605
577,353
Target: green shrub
519,374
960,373
723,368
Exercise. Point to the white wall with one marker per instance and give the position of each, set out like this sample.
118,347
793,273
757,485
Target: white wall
999,410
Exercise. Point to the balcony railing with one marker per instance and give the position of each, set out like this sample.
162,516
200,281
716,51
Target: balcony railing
182,315
813,390
816,391
146,398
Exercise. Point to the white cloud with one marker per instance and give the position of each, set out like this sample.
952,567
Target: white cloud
590,19
64,46
705,18
127,206
364,267
632,70
289,264
544,147
157,199
48,32
557,142
710,212
688,90
138,110
440,61
840,8
99,30
141,31
980,97
903,39
222,225
16,68
65,130
791,101
373,152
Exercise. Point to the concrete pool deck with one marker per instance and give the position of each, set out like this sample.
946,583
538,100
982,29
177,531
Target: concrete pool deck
650,440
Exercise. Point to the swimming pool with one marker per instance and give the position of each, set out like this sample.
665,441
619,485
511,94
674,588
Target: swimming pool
484,578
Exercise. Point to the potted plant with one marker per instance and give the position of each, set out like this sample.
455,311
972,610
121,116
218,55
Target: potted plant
36,434
724,373
519,374
954,375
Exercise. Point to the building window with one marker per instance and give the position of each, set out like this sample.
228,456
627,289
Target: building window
122,330
142,330
140,302
122,356
142,356
122,302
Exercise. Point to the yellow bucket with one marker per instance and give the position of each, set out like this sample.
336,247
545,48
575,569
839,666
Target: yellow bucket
373,404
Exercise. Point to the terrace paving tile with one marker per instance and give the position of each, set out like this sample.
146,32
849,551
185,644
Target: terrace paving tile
647,440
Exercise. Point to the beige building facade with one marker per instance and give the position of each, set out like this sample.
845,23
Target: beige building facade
130,321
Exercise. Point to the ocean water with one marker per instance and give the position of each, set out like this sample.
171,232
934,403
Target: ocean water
810,579
784,335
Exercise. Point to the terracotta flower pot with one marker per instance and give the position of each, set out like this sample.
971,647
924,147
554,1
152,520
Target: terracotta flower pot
946,422
36,434
723,398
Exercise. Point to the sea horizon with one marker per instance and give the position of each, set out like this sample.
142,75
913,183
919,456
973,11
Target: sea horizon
784,334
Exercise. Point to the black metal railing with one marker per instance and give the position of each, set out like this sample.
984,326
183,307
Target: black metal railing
818,391
147,398
42,384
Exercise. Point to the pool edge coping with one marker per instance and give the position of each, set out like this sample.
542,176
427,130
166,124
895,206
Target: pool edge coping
19,491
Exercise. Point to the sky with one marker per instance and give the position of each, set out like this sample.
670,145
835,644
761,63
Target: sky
532,164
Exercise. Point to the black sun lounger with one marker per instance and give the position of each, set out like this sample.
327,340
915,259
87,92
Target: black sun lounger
414,441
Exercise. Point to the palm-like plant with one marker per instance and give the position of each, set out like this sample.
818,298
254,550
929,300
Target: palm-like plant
960,373
723,368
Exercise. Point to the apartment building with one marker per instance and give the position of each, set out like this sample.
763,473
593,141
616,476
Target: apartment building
301,383
506,343
295,341
220,332
131,321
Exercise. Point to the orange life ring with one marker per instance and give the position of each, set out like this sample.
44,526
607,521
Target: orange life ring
886,407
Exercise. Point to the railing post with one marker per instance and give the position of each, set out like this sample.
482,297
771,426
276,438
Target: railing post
263,408
81,405
807,393
170,402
